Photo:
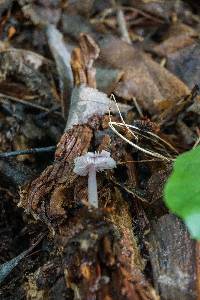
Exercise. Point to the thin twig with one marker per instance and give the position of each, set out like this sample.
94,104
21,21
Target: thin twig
145,14
152,153
122,25
123,124
7,267
127,126
138,107
137,128
121,22
145,136
27,151
27,103
138,161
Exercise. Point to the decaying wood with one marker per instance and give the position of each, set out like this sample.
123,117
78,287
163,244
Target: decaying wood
172,255
47,195
104,259
98,261
100,258
99,251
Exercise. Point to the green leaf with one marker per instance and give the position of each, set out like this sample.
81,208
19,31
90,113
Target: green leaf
182,190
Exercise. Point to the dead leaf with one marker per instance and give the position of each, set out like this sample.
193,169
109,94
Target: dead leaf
143,78
185,62
177,37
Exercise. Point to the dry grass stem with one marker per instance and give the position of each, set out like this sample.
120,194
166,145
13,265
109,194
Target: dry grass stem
127,126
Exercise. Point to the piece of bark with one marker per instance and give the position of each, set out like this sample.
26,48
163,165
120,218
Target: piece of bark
172,256
98,259
157,182
47,195
103,257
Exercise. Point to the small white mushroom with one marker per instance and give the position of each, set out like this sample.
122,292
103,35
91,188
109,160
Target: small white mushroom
90,163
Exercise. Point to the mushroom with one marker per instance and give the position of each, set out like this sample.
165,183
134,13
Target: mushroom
90,163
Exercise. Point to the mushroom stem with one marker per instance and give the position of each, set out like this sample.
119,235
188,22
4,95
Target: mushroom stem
92,187
89,164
